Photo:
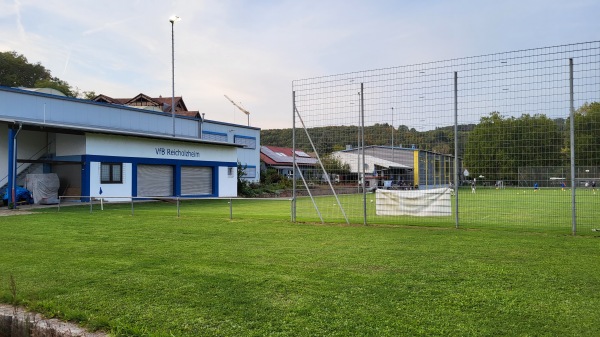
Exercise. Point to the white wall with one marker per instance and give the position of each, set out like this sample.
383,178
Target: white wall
111,190
109,145
70,145
250,157
227,184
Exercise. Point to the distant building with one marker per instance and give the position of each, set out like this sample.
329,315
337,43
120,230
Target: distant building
281,159
407,167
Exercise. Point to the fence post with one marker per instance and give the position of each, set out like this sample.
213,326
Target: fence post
294,156
230,209
178,207
131,206
572,141
362,134
456,182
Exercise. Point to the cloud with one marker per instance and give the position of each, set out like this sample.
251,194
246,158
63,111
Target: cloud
253,50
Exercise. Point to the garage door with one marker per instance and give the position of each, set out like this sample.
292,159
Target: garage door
196,180
154,181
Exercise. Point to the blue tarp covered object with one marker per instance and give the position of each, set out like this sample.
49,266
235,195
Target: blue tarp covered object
21,194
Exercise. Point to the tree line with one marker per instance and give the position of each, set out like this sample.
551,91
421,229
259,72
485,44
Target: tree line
336,138
496,147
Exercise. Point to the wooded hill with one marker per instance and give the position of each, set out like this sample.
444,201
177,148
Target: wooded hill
336,138
497,146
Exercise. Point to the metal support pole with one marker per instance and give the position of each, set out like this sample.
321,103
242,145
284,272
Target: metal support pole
90,203
11,165
311,196
393,153
178,207
358,170
173,74
230,209
131,206
572,138
362,135
293,156
312,144
456,149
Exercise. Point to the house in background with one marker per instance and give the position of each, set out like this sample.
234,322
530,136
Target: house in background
142,101
281,159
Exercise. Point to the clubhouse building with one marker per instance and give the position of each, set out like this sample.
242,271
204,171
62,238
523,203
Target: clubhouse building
121,148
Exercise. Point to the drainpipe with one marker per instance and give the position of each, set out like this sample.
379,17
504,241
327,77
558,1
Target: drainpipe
12,199
201,125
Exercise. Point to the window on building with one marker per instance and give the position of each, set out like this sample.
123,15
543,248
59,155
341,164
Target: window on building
230,172
111,173
248,142
216,136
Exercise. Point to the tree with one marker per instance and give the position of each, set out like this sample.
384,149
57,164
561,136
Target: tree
498,146
587,138
58,84
89,95
16,71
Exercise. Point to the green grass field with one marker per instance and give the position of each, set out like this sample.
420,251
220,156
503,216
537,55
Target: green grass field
201,274
548,210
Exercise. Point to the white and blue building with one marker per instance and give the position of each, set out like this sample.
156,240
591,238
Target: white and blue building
122,150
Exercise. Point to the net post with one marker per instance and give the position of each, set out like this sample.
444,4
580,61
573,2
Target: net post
572,141
456,149
362,134
293,156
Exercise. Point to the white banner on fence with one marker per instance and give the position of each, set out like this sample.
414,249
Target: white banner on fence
434,202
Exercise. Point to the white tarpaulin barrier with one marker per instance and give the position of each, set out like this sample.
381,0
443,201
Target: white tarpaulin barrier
43,187
434,202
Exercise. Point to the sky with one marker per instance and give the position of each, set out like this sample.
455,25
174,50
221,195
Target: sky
252,50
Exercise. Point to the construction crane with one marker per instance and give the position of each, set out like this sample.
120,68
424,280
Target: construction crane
239,107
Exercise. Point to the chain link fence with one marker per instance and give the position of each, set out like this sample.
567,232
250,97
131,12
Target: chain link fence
504,140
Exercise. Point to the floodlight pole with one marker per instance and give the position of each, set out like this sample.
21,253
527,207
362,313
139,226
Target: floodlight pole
172,20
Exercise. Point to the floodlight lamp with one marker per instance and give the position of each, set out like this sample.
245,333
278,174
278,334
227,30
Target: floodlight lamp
174,19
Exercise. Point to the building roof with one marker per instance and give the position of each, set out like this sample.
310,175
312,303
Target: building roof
143,101
354,159
274,155
382,156
42,111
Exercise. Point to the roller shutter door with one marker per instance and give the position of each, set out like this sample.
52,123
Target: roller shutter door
154,181
196,180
